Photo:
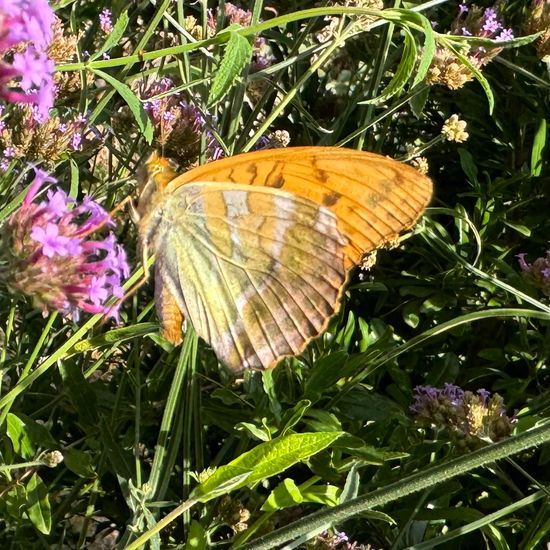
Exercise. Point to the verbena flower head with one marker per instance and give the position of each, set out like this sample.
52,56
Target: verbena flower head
105,22
538,20
469,417
178,124
446,68
52,257
537,273
26,75
26,136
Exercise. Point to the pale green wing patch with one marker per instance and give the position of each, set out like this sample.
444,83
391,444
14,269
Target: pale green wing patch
257,271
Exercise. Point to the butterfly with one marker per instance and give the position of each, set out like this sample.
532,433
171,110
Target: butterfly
255,250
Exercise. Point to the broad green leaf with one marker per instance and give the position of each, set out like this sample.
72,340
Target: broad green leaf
37,433
142,118
238,53
113,38
19,435
285,495
520,228
39,510
539,145
79,462
254,431
265,460
327,495
197,537
468,164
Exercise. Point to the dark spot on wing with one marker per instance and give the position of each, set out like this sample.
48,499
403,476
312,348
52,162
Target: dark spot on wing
330,199
252,169
321,175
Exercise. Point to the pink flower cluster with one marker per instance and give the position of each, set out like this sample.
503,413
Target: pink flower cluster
53,259
26,77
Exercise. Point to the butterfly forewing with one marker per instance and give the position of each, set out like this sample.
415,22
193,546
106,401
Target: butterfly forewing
254,249
373,197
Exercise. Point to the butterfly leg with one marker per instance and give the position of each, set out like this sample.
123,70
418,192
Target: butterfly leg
168,312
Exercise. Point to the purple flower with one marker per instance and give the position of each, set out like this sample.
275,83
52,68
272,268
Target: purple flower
506,34
52,242
491,26
537,273
52,259
76,141
105,22
34,67
463,8
27,78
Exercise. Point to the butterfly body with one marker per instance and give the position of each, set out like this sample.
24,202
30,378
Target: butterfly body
254,250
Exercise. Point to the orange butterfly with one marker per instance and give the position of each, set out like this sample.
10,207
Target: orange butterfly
254,250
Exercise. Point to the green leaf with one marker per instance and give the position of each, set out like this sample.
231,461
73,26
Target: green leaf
285,495
428,50
142,118
265,460
79,462
477,74
81,393
351,488
539,145
115,336
113,38
39,510
327,495
197,537
418,101
468,164
403,71
19,435
238,53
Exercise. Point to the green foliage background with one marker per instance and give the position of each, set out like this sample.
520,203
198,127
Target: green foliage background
138,422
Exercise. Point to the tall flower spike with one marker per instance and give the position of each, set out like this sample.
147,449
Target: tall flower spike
51,257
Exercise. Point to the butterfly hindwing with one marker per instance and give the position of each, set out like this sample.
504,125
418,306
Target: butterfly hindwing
257,271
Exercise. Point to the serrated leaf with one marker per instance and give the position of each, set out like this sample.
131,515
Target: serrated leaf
265,460
428,50
403,71
140,115
478,75
113,38
39,510
238,53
